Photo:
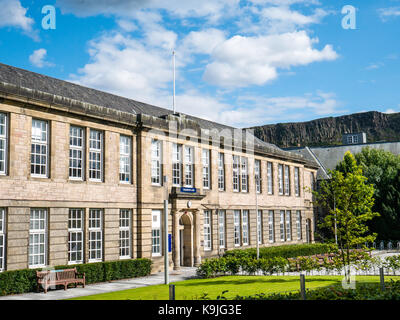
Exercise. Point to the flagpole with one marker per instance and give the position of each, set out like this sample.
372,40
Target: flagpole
173,98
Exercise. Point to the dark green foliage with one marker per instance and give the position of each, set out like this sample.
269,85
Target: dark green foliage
382,169
285,251
22,281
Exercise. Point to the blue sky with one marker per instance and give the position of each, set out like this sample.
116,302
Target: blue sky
242,63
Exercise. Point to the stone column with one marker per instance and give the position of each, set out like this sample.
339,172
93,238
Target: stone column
197,224
176,253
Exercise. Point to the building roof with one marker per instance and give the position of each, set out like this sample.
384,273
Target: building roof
40,87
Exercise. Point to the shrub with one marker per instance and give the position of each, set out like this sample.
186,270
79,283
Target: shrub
285,251
22,281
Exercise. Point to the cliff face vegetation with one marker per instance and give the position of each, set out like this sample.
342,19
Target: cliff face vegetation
328,131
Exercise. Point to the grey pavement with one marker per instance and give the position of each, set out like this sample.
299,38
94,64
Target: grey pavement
104,287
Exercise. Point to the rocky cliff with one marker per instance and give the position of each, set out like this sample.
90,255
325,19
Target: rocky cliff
328,131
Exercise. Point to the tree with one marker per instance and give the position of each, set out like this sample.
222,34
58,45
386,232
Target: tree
382,169
350,209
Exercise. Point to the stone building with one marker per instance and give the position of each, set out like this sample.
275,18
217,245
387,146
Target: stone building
82,180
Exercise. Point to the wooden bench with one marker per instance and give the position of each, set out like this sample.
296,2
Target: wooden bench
47,278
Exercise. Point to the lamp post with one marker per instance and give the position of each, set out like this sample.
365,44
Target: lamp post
166,264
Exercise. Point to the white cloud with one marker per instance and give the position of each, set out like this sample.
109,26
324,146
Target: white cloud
127,25
243,61
211,9
14,15
386,13
37,58
390,110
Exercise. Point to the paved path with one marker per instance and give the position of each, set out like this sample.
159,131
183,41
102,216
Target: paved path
158,278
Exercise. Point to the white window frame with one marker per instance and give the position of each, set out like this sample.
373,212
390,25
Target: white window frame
235,173
205,157
125,159
96,155
221,172
75,235
156,160
282,227
287,181
270,178
2,238
4,144
125,234
189,166
95,235
74,150
257,175
350,140
245,227
271,226
288,222
244,174
260,226
280,179
221,228
297,181
236,228
37,238
40,148
176,165
156,234
355,139
207,230
299,226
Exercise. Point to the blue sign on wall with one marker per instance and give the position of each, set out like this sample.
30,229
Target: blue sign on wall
169,242
188,190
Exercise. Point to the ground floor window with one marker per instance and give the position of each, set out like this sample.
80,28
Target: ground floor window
207,230
298,222
95,235
156,233
259,226
245,227
288,225
37,238
125,217
2,238
271,229
221,228
75,235
282,225
236,224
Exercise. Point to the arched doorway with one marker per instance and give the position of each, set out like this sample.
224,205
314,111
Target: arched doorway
186,240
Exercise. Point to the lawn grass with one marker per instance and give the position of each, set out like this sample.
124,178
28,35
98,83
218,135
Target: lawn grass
236,285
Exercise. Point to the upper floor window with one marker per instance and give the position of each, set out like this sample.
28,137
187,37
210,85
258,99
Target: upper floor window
206,168
96,155
270,178
156,157
235,173
207,230
3,143
76,153
287,181
280,178
221,172
312,181
39,148
297,181
125,159
176,165
189,164
244,174
257,175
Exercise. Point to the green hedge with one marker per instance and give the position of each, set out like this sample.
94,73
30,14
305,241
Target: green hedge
285,251
22,281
